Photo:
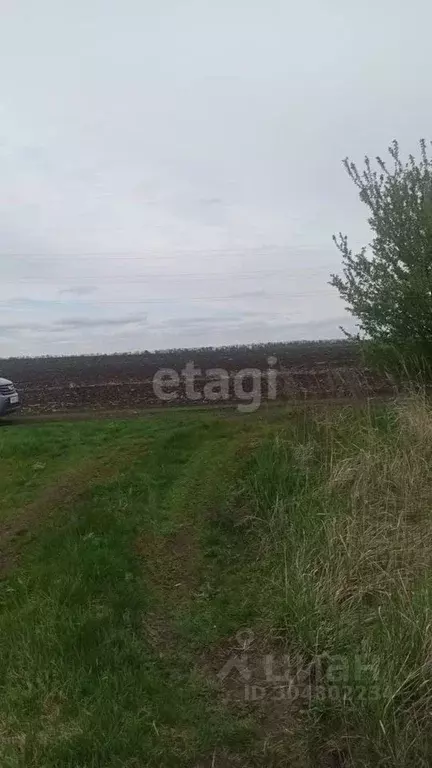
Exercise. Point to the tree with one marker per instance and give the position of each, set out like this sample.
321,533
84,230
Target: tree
388,286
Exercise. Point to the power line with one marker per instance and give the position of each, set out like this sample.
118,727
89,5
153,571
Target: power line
209,252
168,299
155,275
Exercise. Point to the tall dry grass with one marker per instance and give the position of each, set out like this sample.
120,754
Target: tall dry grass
342,508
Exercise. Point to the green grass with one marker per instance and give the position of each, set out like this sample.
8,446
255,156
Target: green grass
139,557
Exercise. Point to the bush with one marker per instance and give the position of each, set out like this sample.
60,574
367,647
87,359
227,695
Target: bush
388,286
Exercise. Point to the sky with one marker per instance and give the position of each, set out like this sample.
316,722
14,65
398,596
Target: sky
170,171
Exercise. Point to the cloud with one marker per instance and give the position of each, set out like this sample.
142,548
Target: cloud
204,321
211,201
260,293
97,322
218,165
6,328
74,323
79,290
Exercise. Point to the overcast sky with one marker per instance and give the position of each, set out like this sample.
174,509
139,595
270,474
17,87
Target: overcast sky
170,171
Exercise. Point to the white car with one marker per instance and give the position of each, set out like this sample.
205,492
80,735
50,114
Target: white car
9,398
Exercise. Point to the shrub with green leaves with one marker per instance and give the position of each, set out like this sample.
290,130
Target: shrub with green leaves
387,286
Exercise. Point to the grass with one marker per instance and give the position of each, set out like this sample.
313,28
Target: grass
201,591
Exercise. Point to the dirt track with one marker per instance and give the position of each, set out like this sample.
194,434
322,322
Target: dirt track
266,411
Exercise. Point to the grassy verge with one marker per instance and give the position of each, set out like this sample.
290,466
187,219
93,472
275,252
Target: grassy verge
195,591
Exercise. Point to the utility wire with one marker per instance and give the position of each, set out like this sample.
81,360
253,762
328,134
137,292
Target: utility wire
164,300
174,252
